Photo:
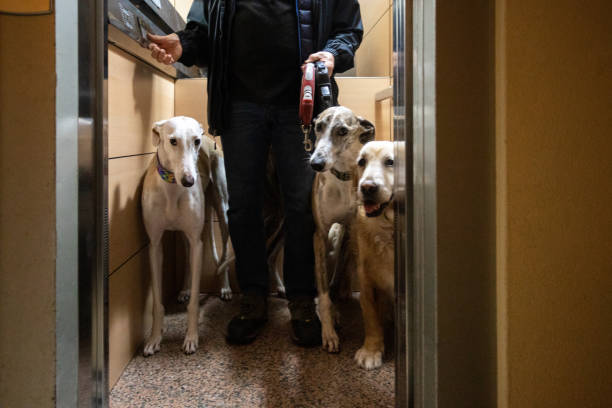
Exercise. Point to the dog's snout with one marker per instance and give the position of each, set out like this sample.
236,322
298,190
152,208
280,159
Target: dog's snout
187,180
317,164
369,188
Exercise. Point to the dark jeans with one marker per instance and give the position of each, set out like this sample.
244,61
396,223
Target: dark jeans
251,131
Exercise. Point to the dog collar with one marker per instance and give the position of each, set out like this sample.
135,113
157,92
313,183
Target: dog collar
381,209
343,176
165,175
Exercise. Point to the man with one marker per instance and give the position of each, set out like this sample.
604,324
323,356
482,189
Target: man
254,50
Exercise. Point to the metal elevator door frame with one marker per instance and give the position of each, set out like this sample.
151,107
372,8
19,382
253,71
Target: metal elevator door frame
414,25
414,87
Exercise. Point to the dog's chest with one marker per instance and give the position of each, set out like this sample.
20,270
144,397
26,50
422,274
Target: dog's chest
337,200
172,208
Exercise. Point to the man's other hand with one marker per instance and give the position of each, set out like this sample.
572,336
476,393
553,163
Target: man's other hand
166,49
326,57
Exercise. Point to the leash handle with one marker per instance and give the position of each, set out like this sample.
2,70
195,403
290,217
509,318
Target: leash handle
307,102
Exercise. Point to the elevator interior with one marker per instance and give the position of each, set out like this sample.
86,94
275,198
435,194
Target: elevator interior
142,91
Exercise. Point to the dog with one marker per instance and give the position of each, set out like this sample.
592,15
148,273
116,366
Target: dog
372,236
211,169
173,199
340,134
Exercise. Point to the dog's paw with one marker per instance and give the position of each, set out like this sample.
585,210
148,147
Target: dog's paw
330,340
280,292
190,345
368,359
151,346
183,296
226,293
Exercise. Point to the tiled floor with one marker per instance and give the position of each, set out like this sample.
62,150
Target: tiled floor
271,372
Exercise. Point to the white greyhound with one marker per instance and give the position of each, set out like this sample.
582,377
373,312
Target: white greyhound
173,199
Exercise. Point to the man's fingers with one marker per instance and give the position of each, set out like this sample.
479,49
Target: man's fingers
162,56
156,38
314,57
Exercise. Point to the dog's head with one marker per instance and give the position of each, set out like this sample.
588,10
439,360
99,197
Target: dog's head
375,168
340,134
178,141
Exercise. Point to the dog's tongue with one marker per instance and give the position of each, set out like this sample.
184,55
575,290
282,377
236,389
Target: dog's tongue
371,207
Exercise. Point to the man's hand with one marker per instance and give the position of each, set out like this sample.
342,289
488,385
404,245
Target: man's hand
166,49
326,57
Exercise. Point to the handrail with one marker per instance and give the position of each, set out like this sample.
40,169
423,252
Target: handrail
386,93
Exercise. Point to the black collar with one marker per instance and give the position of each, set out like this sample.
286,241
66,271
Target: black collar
343,176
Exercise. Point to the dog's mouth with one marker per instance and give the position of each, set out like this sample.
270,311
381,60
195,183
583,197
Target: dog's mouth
374,209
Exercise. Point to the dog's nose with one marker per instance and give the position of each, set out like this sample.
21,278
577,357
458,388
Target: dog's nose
317,165
187,181
369,188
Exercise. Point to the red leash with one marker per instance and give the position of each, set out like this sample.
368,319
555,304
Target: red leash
307,103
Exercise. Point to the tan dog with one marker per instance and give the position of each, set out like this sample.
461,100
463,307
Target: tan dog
372,237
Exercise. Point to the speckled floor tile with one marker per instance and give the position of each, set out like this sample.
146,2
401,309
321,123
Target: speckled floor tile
270,372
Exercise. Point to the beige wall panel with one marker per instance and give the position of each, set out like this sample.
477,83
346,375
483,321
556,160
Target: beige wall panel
183,6
373,56
554,81
138,95
383,119
127,288
372,11
27,212
126,229
191,99
358,95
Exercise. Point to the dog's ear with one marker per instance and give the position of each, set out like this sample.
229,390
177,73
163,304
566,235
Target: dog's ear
367,130
156,135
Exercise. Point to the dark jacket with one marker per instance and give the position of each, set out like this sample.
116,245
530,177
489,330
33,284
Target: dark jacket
324,25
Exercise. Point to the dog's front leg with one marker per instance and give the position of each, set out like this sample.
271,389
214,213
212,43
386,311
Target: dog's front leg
369,356
195,251
329,337
155,258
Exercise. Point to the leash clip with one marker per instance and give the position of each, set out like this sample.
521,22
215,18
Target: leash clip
307,142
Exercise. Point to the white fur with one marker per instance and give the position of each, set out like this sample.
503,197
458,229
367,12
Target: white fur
174,207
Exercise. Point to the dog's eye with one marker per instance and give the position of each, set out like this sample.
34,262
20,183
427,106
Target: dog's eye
319,127
389,162
361,162
173,142
197,142
342,131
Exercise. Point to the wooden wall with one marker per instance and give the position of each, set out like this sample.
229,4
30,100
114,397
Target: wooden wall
465,176
138,95
373,58
553,106
27,211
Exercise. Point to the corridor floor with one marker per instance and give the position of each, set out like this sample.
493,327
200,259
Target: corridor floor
270,372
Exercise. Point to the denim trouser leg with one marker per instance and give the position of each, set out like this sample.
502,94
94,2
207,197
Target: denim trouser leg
252,129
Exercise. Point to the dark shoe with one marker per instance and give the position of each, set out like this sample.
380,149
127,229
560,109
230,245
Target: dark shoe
305,323
245,326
